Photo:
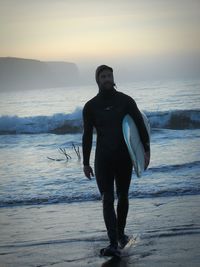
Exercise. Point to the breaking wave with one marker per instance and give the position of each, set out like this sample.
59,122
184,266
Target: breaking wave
72,191
72,123
175,119
56,199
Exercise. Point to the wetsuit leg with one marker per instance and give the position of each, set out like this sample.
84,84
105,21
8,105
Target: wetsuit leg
123,179
104,172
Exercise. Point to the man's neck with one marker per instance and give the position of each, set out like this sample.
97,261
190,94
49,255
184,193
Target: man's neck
107,93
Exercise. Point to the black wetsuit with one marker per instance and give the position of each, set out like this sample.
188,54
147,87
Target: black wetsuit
105,112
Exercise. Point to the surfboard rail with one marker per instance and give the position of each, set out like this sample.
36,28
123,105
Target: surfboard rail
133,142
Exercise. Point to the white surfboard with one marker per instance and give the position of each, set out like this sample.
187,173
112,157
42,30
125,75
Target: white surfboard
133,142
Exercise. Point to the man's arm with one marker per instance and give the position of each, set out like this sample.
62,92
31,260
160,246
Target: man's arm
135,113
137,117
87,140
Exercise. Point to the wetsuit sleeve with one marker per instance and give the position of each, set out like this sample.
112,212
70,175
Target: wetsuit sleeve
87,134
135,113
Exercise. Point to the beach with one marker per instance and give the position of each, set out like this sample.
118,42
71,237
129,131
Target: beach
167,233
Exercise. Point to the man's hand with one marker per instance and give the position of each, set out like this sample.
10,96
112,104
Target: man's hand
88,171
146,159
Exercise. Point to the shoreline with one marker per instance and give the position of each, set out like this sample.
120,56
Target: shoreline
168,230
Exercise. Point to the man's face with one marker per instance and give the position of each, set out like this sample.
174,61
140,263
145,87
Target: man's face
106,80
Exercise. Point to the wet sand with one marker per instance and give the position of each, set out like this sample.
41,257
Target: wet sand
167,230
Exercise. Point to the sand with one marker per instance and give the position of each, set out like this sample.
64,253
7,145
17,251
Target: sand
58,235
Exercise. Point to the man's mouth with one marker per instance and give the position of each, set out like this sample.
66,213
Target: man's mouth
108,83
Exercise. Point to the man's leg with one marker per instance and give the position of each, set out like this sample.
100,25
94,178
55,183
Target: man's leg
110,217
122,212
105,181
123,179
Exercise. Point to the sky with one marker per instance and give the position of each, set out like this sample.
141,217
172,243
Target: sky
91,32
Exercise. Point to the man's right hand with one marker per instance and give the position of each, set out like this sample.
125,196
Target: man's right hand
88,171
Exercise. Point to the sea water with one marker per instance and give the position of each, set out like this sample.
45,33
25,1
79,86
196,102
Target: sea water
35,124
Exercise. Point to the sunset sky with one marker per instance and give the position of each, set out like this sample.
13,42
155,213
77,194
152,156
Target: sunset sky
89,31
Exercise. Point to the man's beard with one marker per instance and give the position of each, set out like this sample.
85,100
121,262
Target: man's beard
107,86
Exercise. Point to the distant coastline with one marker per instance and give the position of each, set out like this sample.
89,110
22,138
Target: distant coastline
20,73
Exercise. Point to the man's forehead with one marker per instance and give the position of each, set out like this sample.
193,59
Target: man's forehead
105,71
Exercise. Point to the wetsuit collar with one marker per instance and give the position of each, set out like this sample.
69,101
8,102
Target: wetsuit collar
107,93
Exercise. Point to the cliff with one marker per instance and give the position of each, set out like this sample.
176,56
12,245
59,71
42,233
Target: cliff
18,73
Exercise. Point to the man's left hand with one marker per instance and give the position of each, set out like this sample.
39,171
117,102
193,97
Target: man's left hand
146,159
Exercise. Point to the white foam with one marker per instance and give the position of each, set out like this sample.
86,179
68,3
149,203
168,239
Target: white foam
173,119
39,124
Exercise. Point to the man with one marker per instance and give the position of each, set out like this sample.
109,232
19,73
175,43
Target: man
105,112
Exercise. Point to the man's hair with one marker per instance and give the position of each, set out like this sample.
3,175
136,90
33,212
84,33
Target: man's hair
99,70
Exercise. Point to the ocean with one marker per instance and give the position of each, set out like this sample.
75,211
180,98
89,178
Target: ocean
36,124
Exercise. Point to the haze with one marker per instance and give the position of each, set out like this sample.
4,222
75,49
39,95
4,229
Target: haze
138,38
